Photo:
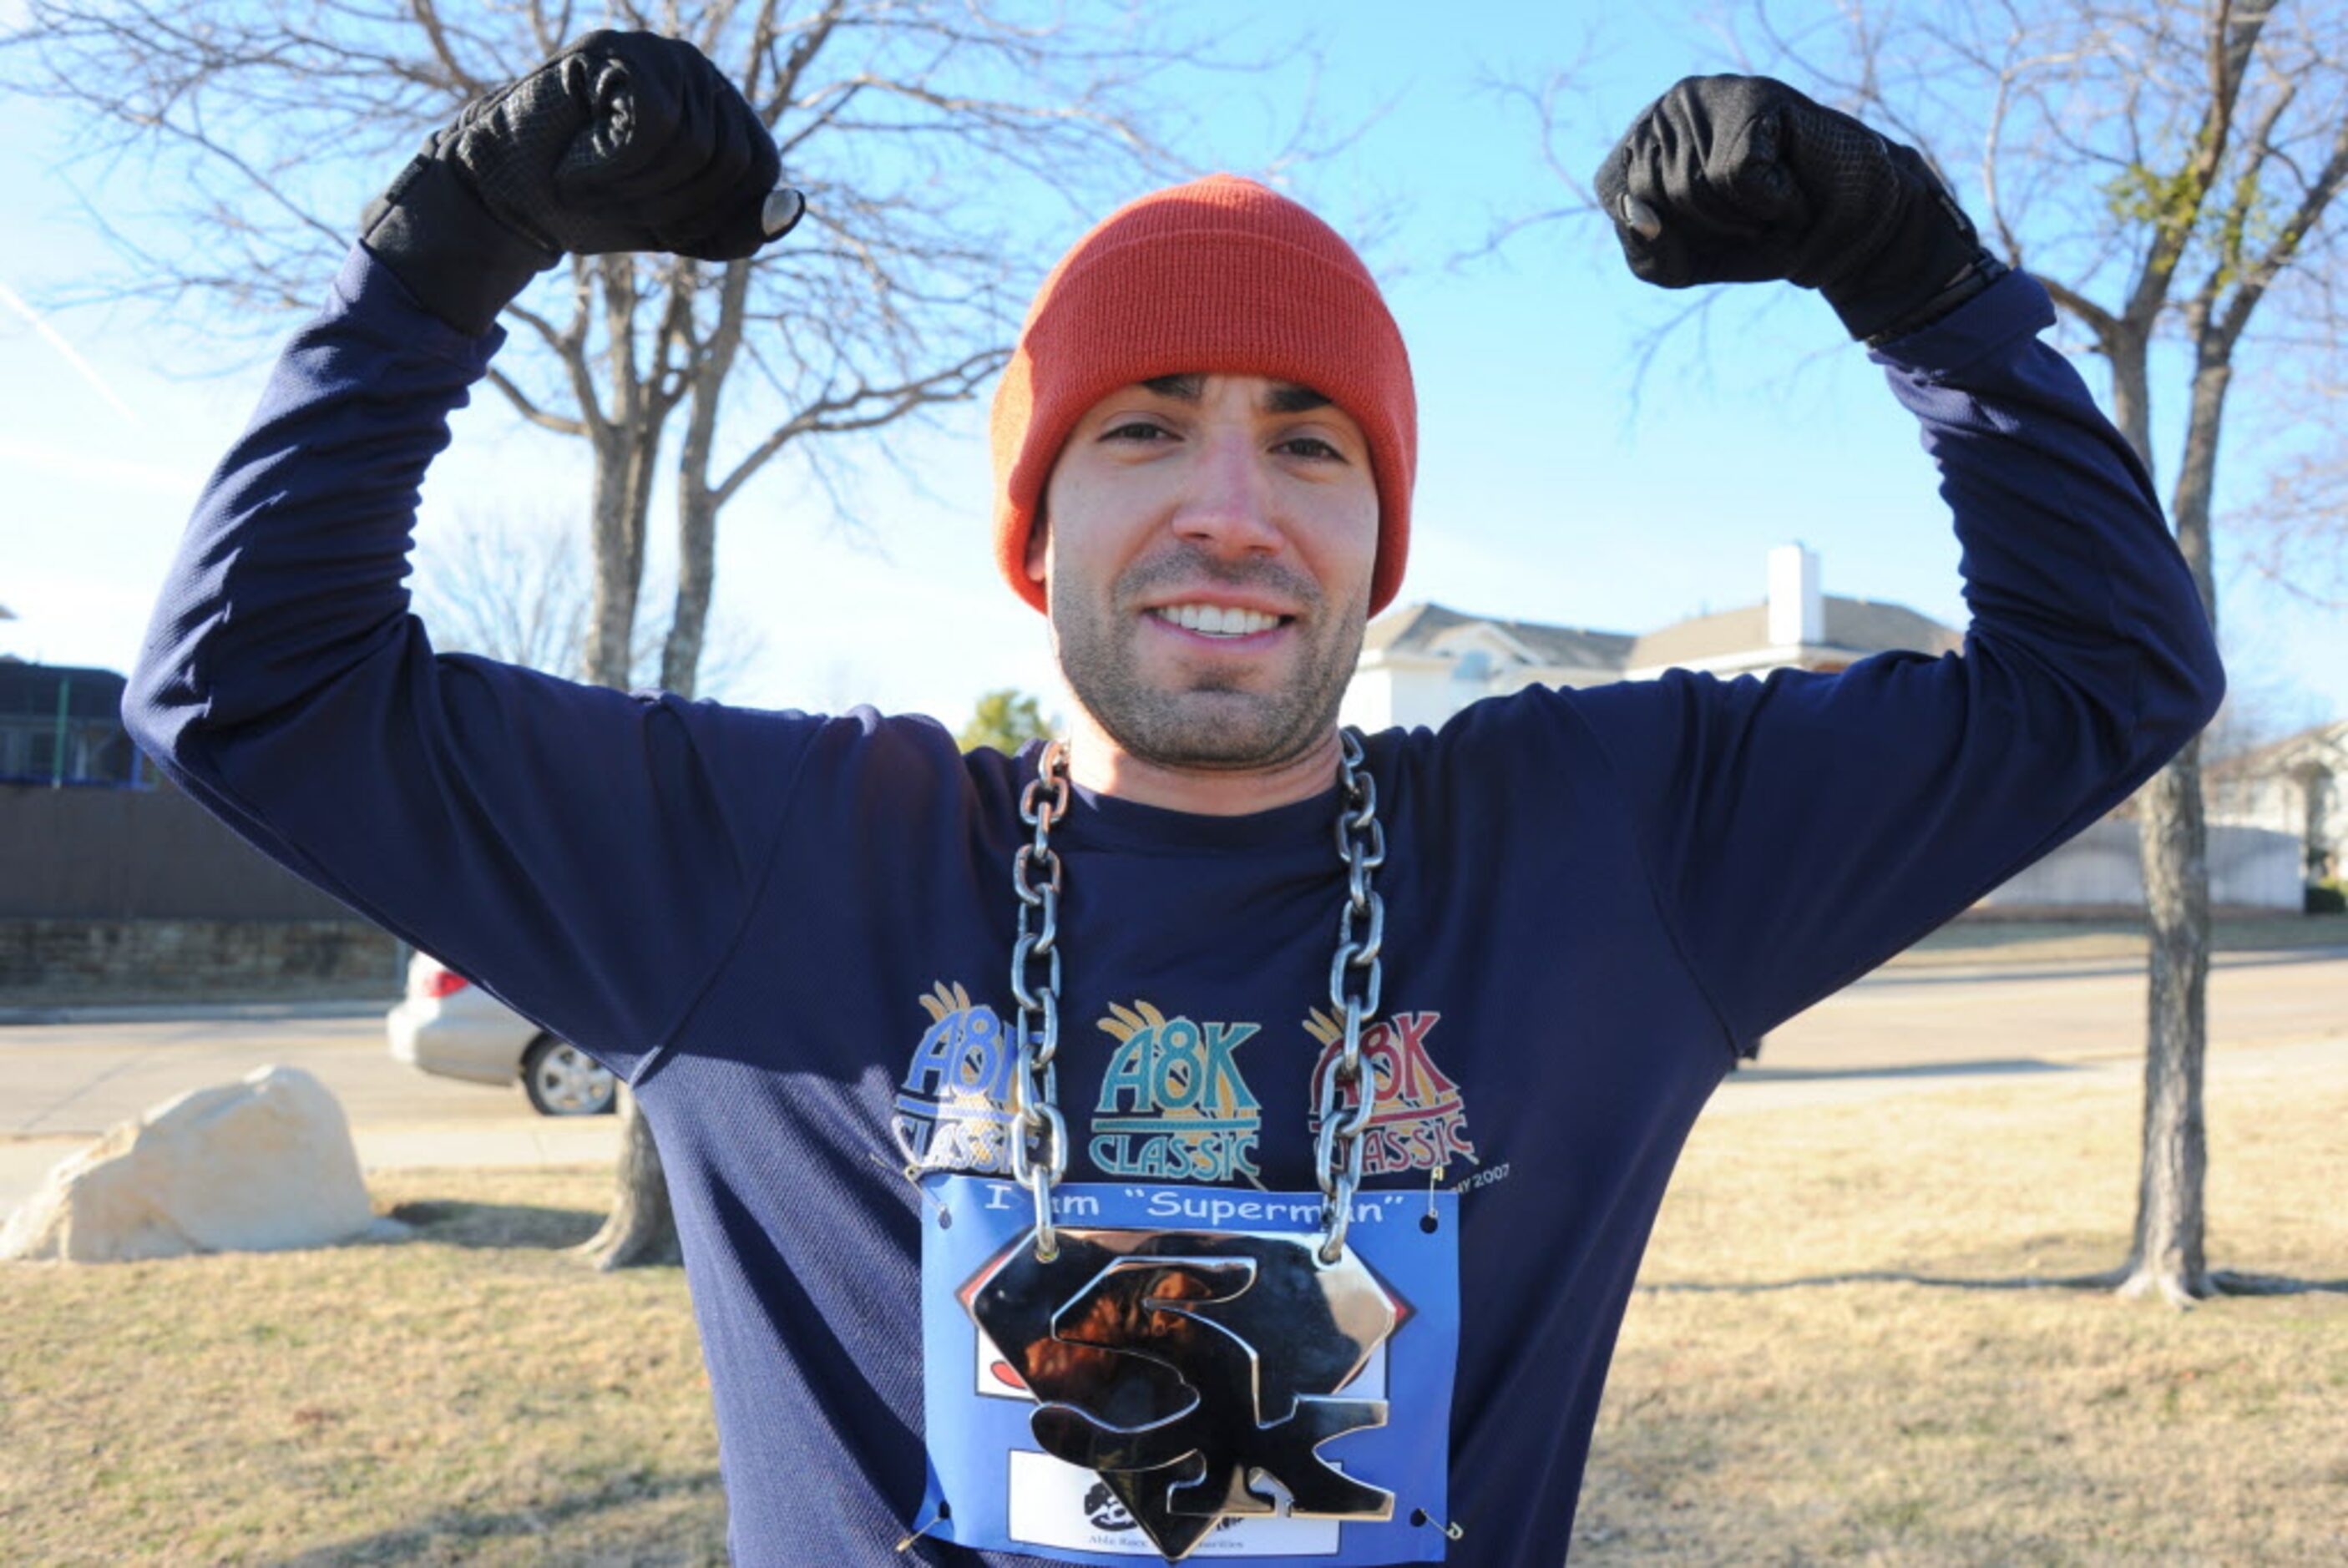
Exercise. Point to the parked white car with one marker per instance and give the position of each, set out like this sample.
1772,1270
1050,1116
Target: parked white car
448,1025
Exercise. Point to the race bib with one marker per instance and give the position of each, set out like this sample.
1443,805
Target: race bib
1187,1379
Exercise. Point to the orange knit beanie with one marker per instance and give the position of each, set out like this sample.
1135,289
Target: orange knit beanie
1217,276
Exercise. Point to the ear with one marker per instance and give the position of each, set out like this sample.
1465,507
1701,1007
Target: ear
1036,536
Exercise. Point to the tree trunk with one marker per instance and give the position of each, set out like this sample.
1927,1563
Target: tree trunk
626,448
697,500
618,552
641,1230
2128,349
696,572
2167,1256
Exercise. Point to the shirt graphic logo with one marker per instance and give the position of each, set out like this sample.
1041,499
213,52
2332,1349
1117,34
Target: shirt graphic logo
954,1110
1422,1122
1173,1105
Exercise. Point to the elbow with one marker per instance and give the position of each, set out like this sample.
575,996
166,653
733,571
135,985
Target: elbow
158,706
2183,687
2211,688
2202,672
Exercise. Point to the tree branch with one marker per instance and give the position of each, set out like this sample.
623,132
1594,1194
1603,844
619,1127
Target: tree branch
865,409
2304,220
559,423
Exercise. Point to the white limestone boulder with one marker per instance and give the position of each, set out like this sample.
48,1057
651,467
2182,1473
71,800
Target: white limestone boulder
261,1165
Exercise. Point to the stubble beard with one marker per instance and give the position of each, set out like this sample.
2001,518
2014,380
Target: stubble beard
1209,722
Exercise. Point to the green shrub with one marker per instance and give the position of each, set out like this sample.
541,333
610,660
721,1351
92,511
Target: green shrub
2327,898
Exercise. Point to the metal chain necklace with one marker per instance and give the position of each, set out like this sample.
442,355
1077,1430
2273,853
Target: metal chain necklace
1347,1096
1197,1372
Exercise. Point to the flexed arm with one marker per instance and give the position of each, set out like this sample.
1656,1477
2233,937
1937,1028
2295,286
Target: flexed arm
1804,827
584,854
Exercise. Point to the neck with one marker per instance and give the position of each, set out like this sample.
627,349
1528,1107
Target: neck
1099,764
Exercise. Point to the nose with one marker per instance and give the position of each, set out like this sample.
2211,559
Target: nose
1227,509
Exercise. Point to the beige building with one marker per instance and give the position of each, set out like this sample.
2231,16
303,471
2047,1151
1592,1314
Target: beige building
1423,663
2292,785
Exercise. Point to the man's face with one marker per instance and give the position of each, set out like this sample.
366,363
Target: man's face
1207,544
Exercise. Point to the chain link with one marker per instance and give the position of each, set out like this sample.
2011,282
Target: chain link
1039,1141
1347,1095
1348,1090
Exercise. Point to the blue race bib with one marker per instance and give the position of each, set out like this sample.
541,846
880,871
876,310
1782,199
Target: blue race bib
1186,1378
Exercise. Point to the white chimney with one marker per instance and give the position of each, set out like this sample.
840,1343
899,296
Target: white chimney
1797,610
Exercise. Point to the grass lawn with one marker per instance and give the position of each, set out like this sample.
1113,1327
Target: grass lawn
1818,1364
473,1396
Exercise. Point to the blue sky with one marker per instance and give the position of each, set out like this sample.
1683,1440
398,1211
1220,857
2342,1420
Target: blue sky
1542,494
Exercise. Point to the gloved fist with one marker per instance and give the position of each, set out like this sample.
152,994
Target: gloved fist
1744,180
624,142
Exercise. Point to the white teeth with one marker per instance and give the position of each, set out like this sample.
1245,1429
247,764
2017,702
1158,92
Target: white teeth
1217,620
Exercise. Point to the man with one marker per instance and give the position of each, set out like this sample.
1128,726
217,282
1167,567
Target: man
1286,1112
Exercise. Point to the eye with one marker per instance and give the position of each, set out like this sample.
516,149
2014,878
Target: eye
1311,447
1137,430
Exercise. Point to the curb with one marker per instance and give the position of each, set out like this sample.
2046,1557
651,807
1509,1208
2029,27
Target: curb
1894,973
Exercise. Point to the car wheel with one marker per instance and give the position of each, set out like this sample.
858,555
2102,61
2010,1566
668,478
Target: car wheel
561,1081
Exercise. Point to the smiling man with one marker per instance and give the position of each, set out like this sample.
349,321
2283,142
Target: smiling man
1219,1134
1211,386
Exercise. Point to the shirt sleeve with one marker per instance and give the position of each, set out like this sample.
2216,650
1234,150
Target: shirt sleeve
585,855
1802,827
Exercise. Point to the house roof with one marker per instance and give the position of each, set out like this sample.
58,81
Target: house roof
2324,743
1859,627
1854,625
1418,628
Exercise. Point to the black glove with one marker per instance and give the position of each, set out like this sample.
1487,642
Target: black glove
624,142
1744,180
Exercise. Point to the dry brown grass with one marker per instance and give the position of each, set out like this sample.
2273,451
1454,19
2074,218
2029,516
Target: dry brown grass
473,1396
1768,1408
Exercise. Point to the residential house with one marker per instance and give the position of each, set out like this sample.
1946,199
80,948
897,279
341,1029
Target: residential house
2292,785
1423,663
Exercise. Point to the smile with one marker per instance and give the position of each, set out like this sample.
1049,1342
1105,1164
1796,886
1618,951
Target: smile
1217,620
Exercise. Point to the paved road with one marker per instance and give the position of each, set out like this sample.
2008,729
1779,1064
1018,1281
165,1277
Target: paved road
66,1082
84,1077
1916,1031
1918,1018
1898,1032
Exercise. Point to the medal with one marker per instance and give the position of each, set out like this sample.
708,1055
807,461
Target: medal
1190,1368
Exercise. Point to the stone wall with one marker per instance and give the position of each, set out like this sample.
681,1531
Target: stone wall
67,962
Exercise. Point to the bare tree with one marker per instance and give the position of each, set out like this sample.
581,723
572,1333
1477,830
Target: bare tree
2169,170
516,590
916,128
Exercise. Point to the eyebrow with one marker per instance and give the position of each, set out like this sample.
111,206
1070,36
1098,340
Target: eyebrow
1285,398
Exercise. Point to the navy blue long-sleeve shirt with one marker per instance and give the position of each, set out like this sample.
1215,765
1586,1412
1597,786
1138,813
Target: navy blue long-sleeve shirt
1596,899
